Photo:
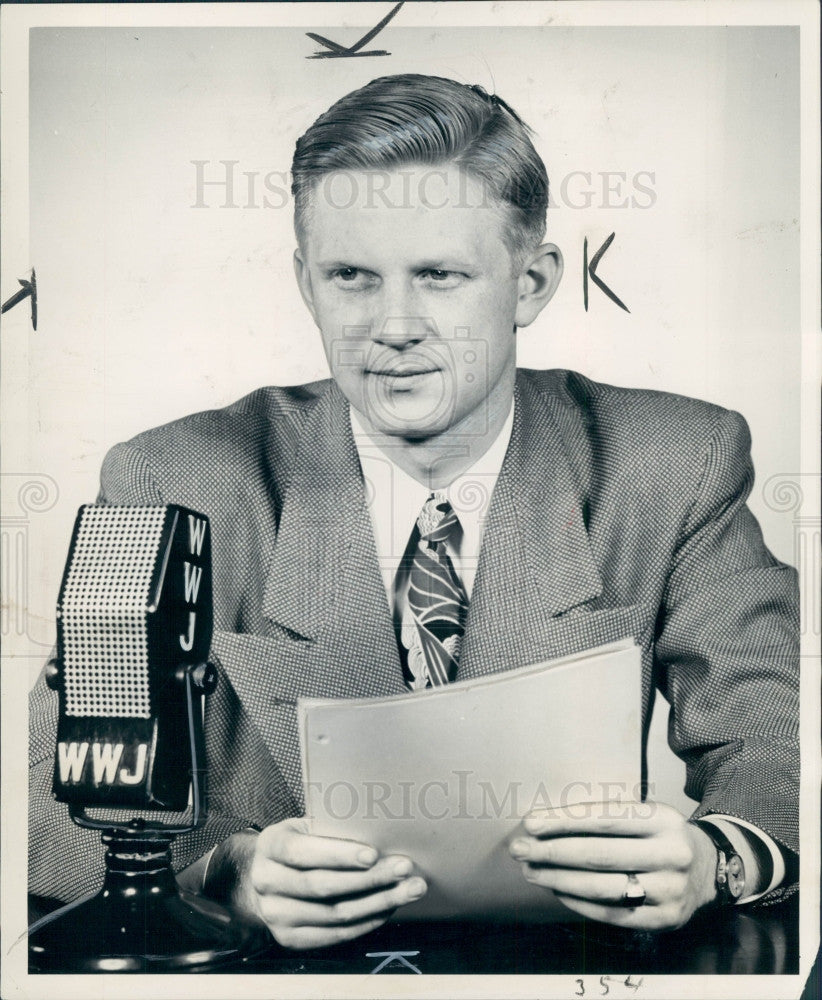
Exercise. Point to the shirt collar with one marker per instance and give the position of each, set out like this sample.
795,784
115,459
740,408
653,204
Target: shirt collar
394,498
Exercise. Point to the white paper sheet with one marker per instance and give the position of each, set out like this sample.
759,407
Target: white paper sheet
445,775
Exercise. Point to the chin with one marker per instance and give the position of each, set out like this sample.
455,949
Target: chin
413,420
411,430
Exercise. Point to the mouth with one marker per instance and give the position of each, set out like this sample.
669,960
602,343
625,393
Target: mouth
404,372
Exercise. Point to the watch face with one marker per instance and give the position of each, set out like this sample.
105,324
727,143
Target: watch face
735,872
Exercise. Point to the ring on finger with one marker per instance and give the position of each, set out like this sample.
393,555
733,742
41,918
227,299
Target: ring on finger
634,894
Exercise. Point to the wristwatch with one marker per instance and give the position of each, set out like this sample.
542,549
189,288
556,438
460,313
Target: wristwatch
730,868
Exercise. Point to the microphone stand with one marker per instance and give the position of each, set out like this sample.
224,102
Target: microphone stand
141,921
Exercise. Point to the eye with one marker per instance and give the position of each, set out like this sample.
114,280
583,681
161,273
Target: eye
440,278
352,278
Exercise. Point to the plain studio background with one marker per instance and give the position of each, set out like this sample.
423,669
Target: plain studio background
684,142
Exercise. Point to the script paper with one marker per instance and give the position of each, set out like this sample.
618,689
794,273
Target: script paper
444,776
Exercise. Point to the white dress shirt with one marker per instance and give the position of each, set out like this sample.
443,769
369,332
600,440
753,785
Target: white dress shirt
395,499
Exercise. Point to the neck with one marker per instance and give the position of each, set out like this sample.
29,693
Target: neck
438,460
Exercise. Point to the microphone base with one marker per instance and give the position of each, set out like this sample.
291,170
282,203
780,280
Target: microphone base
142,922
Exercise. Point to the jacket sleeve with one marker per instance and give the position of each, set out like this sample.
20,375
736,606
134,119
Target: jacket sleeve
245,788
728,654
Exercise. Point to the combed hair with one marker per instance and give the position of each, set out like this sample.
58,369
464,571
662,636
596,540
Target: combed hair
411,119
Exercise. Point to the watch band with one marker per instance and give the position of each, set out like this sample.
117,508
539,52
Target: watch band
730,869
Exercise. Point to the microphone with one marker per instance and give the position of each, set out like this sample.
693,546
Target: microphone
134,624
134,619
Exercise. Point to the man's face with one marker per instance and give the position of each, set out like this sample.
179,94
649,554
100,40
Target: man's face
409,279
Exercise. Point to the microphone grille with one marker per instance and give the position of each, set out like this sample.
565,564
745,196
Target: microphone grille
103,611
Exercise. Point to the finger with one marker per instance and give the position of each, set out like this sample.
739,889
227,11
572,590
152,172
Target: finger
606,887
649,918
290,844
301,938
616,854
285,911
618,819
323,883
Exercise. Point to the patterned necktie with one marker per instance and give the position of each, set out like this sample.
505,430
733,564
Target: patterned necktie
436,598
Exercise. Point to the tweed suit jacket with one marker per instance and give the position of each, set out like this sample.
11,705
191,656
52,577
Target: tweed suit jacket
617,513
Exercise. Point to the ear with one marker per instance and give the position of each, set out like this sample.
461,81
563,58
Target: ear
537,283
304,282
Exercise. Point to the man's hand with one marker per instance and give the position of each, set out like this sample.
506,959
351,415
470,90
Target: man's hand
584,852
312,892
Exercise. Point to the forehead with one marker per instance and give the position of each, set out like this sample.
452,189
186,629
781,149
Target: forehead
437,210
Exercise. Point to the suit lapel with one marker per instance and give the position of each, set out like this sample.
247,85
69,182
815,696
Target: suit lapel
535,562
324,583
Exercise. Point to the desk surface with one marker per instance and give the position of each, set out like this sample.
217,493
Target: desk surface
727,941
732,940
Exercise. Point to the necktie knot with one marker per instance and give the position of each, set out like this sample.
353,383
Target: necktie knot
437,518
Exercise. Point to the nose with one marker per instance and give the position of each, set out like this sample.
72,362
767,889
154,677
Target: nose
401,331
399,320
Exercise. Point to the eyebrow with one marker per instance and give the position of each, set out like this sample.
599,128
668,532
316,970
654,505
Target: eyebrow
432,264
444,264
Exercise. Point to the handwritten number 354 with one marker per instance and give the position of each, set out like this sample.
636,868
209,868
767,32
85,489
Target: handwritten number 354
603,982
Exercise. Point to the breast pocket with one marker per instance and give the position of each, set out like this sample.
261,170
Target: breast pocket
582,629
269,675
264,670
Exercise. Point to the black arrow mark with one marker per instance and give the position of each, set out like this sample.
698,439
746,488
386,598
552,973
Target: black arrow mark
592,269
340,51
29,288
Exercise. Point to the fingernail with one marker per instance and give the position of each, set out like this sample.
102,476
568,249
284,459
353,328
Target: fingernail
520,849
416,888
367,856
401,868
534,824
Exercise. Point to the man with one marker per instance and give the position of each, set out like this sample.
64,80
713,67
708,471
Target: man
419,211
